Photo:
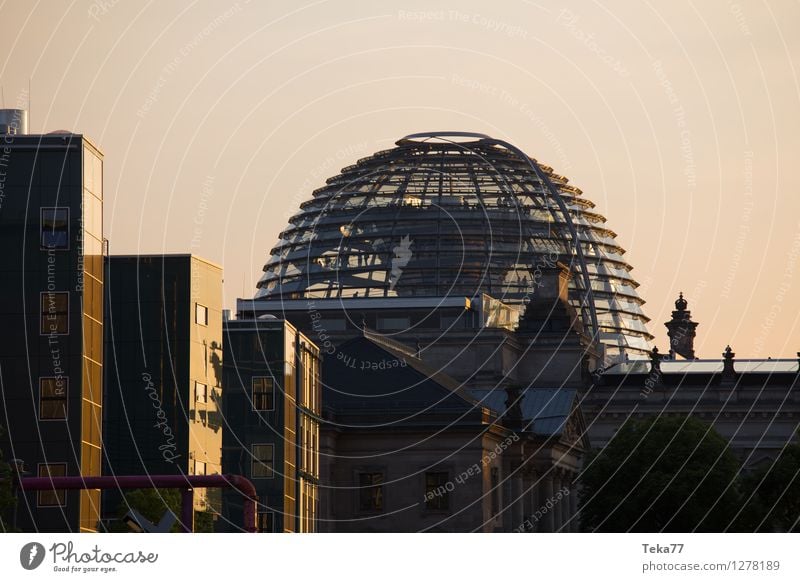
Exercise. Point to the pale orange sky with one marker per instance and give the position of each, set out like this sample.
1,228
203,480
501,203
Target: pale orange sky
680,120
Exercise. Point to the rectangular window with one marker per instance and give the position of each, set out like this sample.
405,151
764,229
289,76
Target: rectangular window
266,521
54,228
199,468
437,497
200,314
495,482
53,398
332,324
451,321
304,444
55,312
370,491
263,393
200,392
394,323
262,462
52,497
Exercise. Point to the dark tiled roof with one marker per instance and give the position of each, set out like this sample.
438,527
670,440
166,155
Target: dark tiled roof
548,408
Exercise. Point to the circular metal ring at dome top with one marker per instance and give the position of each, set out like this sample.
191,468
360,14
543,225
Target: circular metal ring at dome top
461,137
456,213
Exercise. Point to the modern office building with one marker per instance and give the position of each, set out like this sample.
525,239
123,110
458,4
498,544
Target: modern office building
51,315
164,373
272,408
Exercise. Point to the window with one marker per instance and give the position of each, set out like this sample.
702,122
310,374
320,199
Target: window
263,393
451,321
53,398
332,324
436,495
371,491
495,480
215,395
394,323
54,228
55,313
308,443
200,314
266,521
199,468
262,462
52,497
200,392
308,507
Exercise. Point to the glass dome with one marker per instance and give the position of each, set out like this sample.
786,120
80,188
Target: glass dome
437,217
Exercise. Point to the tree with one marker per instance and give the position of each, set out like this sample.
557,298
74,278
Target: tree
153,504
666,474
7,499
774,494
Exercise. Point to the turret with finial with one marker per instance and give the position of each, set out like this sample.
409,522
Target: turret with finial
728,358
681,330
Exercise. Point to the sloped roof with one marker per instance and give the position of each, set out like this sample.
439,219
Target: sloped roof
369,378
417,364
547,408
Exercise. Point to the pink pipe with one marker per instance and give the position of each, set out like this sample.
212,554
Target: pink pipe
183,482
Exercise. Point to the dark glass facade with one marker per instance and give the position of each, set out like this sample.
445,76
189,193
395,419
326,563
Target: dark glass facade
164,379
51,312
271,405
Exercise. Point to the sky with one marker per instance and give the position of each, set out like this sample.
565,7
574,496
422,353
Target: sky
680,120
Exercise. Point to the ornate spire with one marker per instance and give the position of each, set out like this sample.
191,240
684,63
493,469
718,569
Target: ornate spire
655,360
728,373
681,330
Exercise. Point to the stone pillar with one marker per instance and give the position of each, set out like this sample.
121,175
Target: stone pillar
573,508
558,502
517,500
533,499
566,507
547,495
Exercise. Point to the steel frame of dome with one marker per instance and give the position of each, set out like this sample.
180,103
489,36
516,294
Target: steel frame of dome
436,217
587,302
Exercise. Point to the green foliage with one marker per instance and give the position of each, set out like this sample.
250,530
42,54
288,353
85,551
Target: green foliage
7,500
666,474
153,504
203,522
774,493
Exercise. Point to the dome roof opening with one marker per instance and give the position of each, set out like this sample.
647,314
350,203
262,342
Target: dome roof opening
454,213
